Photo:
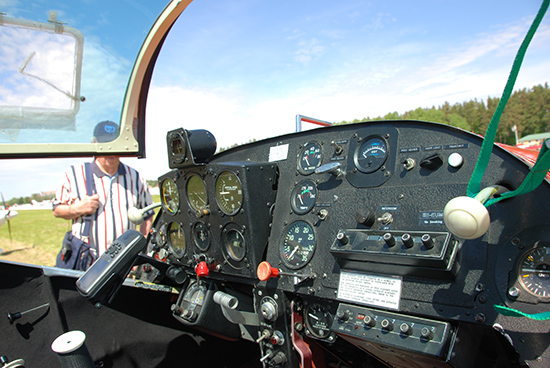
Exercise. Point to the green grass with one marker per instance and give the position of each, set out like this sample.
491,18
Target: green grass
36,237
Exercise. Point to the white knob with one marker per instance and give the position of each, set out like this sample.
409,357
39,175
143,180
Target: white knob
455,160
135,215
466,217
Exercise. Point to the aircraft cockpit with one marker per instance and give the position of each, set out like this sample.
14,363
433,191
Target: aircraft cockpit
379,243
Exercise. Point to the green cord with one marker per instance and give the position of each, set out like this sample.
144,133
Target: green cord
539,170
509,312
474,185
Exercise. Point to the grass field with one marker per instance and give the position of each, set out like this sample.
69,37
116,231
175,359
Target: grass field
36,237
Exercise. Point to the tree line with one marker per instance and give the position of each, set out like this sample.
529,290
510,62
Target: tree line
527,109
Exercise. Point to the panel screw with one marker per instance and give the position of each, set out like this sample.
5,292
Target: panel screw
513,292
480,317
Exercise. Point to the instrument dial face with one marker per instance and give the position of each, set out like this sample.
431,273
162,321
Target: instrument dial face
303,197
298,245
534,272
178,147
229,193
176,239
318,320
196,193
310,157
201,236
170,196
371,155
234,244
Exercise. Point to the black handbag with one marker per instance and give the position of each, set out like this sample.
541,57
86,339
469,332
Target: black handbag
76,254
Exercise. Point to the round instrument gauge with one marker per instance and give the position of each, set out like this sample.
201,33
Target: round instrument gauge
298,245
201,236
303,197
234,244
229,193
371,155
176,239
196,193
310,157
318,320
170,196
534,272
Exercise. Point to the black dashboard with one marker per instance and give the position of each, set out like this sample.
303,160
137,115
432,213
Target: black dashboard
334,239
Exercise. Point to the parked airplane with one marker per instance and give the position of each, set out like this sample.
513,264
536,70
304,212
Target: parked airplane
395,243
6,216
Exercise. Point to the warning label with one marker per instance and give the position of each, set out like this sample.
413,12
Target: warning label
374,290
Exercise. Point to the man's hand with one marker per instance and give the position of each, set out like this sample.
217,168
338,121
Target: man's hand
87,205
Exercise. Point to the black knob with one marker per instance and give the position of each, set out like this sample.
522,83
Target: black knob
342,238
366,218
407,240
427,241
369,321
389,239
432,162
406,329
427,333
387,325
343,315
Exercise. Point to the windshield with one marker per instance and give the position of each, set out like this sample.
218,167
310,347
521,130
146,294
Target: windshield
65,66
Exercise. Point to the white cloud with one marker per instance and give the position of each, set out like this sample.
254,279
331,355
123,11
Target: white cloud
308,50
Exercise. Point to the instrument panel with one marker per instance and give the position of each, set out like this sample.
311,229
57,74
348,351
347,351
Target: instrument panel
350,219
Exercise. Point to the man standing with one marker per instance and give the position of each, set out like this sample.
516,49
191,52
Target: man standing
116,188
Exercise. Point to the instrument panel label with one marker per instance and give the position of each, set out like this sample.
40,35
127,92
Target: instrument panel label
278,153
431,218
374,290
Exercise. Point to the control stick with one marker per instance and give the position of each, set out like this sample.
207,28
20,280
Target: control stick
467,217
136,215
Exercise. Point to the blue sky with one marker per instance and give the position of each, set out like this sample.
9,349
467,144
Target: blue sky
244,69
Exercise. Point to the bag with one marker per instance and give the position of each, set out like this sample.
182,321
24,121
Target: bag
74,254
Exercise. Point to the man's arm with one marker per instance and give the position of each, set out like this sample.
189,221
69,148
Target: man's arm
86,206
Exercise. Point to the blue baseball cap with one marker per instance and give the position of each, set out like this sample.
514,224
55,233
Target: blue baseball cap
106,131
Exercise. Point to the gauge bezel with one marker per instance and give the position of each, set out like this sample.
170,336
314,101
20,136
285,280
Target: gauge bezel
305,147
303,263
294,198
191,203
177,148
194,236
165,205
236,261
520,273
176,251
223,205
365,141
309,326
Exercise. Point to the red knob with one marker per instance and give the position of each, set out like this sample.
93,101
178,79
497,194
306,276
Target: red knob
265,271
202,269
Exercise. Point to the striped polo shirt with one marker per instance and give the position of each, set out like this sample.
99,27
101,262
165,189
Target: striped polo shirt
117,194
